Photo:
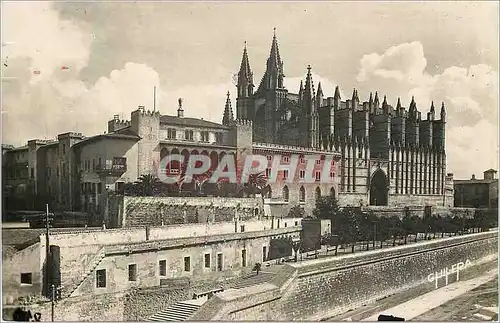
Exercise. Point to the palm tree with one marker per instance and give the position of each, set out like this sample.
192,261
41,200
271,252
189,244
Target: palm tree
146,185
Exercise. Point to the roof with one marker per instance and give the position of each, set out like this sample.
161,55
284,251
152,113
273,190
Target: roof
474,181
124,133
25,147
190,122
491,170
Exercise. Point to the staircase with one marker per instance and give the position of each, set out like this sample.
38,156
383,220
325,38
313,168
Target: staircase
180,311
486,313
92,266
252,279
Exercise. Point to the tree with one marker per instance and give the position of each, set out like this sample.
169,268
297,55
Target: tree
383,230
327,207
407,226
296,211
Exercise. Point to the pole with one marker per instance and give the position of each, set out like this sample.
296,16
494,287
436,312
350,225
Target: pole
374,233
47,246
52,301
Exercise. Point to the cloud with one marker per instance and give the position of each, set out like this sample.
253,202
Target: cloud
34,30
470,96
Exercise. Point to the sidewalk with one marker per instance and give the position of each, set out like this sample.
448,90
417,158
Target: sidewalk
424,303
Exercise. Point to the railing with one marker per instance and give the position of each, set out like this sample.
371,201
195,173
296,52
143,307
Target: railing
114,168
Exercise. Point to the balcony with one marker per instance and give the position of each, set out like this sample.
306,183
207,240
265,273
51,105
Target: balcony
111,169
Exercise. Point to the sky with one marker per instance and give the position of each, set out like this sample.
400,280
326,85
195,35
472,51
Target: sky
69,66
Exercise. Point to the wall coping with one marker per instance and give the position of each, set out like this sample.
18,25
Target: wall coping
159,244
398,250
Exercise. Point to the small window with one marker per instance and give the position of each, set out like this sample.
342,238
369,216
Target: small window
163,267
286,224
219,262
100,277
318,175
296,223
264,253
268,172
26,278
269,157
189,135
318,161
187,263
132,273
302,174
99,188
285,174
207,260
171,134
302,160
242,228
32,173
332,174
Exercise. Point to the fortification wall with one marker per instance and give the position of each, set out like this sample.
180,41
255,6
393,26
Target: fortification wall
139,211
319,289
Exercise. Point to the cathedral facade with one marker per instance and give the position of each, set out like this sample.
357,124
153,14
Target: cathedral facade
389,155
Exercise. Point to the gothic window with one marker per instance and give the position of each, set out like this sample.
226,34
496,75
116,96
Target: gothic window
188,135
302,194
285,193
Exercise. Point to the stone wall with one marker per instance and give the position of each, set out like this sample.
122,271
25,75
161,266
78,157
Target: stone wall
319,289
26,260
139,211
102,308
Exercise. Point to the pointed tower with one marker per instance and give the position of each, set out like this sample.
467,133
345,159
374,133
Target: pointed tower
336,98
273,77
354,100
432,112
370,101
384,104
228,112
310,111
319,97
244,102
301,92
443,113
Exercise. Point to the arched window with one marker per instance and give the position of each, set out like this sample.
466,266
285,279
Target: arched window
302,194
318,192
332,192
286,193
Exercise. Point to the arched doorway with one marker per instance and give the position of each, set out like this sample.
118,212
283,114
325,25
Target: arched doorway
379,188
318,192
332,192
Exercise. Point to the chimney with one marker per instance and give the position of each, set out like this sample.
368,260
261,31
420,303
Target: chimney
116,117
180,111
473,177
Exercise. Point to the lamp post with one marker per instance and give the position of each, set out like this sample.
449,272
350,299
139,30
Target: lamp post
374,233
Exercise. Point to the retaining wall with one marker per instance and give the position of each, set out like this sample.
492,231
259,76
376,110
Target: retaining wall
319,289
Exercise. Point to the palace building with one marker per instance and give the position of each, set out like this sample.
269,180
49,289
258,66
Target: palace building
383,155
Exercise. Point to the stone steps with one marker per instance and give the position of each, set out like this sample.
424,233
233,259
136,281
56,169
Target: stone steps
252,279
180,311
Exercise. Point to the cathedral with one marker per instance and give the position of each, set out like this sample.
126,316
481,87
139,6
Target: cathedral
389,153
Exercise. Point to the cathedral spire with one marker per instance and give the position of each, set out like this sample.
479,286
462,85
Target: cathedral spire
228,111
398,106
432,107
376,101
337,93
320,91
273,77
370,101
384,104
309,87
443,112
245,76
